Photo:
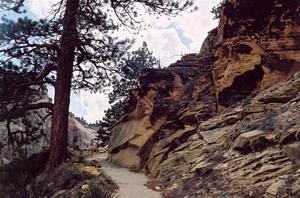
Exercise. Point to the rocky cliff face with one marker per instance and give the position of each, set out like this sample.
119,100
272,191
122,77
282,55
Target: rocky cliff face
37,138
25,135
225,120
78,134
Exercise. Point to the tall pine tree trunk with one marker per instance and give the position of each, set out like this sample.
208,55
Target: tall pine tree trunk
59,133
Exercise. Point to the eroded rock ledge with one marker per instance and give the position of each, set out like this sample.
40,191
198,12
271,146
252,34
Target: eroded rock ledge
225,120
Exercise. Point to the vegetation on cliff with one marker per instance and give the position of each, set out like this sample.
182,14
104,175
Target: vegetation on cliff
131,69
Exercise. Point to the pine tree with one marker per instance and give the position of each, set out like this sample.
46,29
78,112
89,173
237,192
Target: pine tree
216,10
76,45
131,69
14,5
111,117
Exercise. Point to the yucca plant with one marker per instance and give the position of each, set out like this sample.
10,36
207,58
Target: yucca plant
99,189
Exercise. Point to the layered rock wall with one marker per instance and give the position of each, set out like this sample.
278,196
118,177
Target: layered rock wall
224,120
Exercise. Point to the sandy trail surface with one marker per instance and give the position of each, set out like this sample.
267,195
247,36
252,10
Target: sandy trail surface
131,184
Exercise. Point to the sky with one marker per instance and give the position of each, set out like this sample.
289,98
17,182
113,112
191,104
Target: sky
168,38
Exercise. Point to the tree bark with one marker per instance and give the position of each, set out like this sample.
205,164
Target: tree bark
59,133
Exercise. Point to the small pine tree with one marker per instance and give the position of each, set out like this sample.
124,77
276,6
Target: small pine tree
131,67
216,10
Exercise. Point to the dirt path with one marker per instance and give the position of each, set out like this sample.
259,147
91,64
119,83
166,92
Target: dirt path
131,184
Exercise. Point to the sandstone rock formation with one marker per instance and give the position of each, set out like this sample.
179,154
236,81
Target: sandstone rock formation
225,120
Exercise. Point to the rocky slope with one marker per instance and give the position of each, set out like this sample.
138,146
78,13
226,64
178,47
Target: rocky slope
225,120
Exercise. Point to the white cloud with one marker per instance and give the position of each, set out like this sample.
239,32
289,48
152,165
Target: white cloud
165,44
41,8
162,38
197,24
94,105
